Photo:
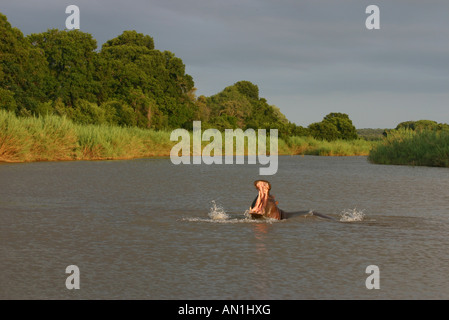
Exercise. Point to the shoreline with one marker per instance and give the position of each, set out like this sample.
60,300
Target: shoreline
54,138
155,157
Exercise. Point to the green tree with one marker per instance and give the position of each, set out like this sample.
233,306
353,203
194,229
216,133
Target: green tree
334,126
120,113
131,38
418,125
152,82
85,112
248,89
324,130
346,130
71,59
240,106
7,100
23,70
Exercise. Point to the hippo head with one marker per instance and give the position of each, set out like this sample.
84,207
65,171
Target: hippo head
265,205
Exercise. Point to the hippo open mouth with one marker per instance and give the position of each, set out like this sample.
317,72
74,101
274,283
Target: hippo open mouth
265,205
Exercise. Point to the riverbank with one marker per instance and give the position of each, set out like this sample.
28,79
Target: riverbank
53,138
415,148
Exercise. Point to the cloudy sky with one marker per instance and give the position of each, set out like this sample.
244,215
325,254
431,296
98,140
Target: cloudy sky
309,58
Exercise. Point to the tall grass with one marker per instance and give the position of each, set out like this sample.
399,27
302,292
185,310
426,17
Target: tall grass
111,142
312,146
57,138
53,138
417,148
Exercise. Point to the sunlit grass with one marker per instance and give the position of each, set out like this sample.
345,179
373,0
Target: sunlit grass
57,138
312,146
417,148
53,138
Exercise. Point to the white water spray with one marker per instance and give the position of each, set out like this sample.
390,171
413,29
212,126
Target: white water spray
217,212
351,215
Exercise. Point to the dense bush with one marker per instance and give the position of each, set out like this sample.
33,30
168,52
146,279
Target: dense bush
411,147
334,126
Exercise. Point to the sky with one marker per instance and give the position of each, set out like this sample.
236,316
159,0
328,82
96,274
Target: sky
309,58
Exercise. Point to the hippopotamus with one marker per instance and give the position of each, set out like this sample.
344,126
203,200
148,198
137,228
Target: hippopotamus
265,205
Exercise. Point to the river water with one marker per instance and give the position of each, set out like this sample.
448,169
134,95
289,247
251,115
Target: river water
147,229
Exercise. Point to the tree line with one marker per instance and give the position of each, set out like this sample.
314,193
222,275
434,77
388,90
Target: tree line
130,83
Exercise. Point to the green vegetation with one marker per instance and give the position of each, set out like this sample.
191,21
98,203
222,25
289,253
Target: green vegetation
128,82
58,138
50,138
371,134
334,126
311,146
239,106
62,99
420,143
423,125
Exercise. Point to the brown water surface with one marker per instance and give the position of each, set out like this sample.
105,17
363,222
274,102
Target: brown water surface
147,229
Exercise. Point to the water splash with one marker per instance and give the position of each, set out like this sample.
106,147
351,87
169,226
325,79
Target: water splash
217,212
351,215
247,215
